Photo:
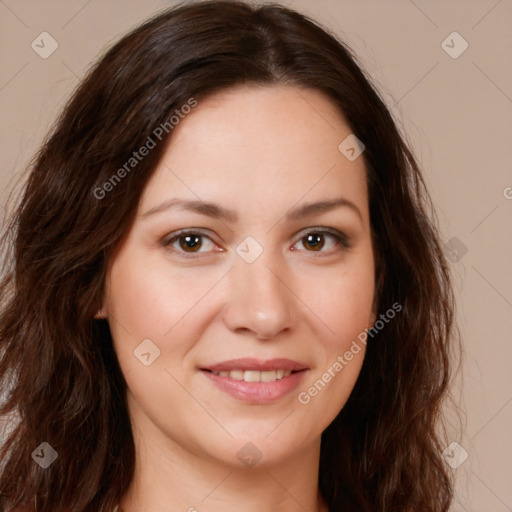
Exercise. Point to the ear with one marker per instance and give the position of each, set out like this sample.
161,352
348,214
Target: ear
379,285
373,315
375,305
101,313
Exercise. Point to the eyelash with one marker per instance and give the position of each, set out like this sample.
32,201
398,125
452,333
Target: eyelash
340,238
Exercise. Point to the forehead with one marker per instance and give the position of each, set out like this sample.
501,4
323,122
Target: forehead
256,144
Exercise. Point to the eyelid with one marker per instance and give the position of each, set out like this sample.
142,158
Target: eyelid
168,240
339,236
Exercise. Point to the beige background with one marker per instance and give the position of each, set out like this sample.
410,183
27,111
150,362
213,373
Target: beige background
456,112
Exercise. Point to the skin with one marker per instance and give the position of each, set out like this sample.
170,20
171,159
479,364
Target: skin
259,151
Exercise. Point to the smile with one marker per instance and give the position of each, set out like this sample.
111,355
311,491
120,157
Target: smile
254,376
256,387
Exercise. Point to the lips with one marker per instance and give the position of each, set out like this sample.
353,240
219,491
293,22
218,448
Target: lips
256,381
252,364
254,375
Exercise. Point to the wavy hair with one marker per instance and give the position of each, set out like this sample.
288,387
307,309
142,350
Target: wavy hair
58,369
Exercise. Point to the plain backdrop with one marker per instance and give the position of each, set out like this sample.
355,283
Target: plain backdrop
455,105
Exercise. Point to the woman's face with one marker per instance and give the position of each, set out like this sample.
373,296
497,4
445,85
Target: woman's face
261,278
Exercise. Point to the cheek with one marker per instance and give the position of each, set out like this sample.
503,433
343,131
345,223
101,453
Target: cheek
344,306
343,301
147,301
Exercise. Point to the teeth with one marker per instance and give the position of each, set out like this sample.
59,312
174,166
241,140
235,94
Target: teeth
255,376
250,376
236,374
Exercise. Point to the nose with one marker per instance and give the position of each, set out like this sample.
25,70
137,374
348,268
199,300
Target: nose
261,303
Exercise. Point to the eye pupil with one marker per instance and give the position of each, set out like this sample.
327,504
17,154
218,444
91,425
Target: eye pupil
315,241
190,242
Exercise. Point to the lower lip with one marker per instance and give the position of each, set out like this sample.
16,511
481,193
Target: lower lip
257,392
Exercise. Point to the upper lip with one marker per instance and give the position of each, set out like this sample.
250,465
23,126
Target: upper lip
248,363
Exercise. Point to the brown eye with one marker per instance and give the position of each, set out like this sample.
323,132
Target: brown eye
314,241
189,243
324,241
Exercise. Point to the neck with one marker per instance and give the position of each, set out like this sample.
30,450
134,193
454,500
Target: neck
170,478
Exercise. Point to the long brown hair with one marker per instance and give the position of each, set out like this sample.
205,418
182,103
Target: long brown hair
58,367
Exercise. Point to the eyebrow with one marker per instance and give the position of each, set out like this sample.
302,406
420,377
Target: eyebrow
216,211
204,208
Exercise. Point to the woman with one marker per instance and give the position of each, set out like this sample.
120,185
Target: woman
227,288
